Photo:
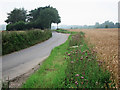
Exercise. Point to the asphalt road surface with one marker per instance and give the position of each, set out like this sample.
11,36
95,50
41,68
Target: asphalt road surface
20,62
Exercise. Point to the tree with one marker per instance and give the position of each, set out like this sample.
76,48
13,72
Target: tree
97,25
16,15
58,21
106,26
16,26
44,17
41,18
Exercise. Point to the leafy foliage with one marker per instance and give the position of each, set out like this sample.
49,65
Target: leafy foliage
17,26
16,15
41,18
11,41
44,17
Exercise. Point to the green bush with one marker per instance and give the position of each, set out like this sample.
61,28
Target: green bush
17,26
17,40
10,27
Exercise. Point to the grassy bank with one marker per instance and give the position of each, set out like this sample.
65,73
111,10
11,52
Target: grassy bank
71,65
17,40
65,31
52,72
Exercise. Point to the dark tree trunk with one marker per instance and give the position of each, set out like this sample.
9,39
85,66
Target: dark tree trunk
57,26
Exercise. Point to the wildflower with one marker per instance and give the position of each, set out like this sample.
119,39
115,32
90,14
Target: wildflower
99,65
69,54
93,50
76,83
72,62
81,58
76,52
83,73
96,83
82,77
81,82
77,75
89,59
83,53
86,56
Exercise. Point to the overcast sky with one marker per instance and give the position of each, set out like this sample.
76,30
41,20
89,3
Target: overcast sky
72,12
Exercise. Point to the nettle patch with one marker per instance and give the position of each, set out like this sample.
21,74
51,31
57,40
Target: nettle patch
83,69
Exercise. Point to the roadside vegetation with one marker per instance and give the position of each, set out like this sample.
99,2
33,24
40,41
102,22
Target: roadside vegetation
65,31
71,65
40,18
17,40
52,71
105,42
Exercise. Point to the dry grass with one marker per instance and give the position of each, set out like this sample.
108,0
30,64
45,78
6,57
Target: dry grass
106,45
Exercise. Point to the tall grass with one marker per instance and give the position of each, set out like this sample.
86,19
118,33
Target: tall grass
83,69
17,40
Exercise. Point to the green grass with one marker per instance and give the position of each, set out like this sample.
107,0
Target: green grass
65,31
71,65
17,40
52,72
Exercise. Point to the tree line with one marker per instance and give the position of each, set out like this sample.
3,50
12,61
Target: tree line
41,18
106,24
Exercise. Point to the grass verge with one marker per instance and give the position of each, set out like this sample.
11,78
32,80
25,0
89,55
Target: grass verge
17,40
65,31
71,65
52,72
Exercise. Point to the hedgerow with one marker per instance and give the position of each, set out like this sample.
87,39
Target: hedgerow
17,40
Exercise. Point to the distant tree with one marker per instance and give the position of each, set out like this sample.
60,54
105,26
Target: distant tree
16,15
108,23
106,26
117,25
96,25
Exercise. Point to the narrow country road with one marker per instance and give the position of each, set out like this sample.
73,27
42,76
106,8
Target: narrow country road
22,61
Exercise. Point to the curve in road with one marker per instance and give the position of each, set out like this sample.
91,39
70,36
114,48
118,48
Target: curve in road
18,63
